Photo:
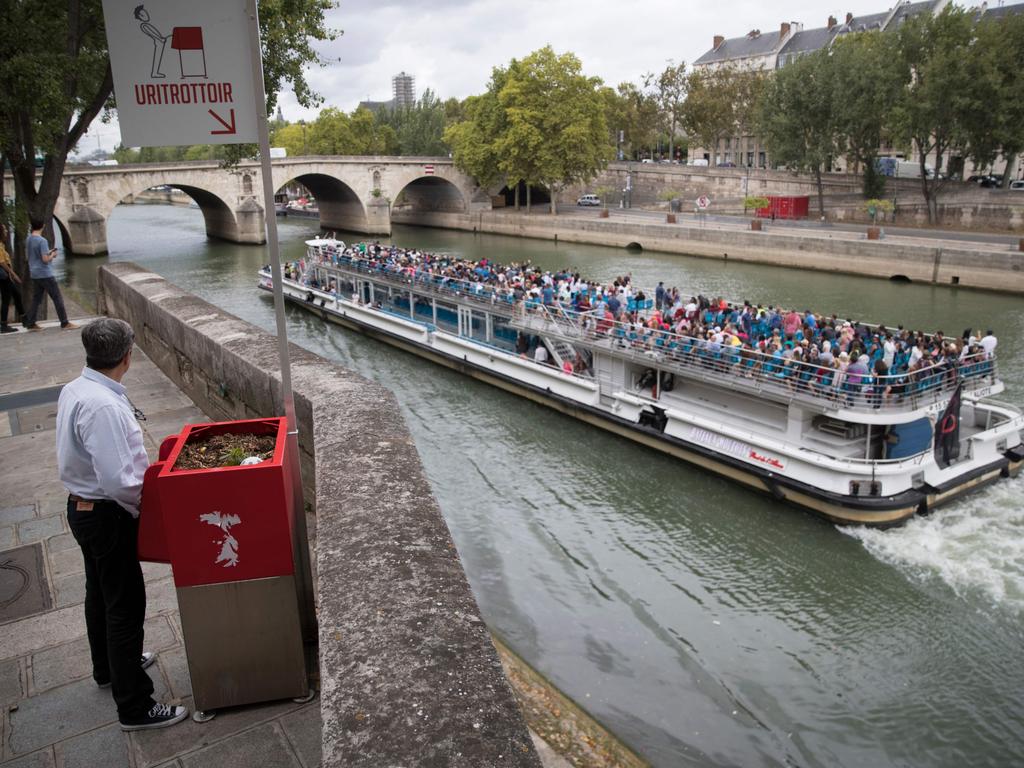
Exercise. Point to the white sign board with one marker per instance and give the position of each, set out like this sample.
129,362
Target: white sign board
703,202
182,72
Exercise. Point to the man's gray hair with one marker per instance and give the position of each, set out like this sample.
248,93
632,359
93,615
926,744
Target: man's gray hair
106,342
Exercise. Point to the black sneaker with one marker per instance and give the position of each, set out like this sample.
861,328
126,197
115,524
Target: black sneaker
8,329
148,657
160,716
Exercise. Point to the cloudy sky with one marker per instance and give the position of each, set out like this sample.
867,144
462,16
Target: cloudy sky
450,46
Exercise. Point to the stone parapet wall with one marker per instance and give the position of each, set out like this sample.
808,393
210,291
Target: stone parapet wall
409,675
941,262
961,205
651,180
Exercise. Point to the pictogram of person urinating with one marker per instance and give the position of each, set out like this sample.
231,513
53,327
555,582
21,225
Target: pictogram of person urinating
187,41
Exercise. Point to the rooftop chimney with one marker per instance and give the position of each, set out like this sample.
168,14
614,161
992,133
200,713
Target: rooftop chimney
849,18
784,30
831,22
718,42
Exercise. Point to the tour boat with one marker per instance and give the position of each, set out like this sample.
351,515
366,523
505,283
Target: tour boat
847,452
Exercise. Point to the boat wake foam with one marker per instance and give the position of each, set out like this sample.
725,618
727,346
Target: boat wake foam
975,546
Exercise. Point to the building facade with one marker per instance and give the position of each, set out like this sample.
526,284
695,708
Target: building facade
403,86
758,52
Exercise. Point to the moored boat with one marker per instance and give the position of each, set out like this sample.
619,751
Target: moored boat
871,450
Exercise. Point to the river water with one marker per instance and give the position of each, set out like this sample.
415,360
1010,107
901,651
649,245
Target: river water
702,623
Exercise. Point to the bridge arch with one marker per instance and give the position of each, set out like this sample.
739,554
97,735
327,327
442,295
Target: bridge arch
88,199
339,205
428,193
221,222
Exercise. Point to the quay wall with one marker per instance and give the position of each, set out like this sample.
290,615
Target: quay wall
962,206
997,268
409,674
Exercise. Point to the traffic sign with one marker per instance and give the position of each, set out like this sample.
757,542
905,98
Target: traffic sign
703,202
182,72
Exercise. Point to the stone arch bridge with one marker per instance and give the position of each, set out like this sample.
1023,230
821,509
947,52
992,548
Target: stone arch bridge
353,193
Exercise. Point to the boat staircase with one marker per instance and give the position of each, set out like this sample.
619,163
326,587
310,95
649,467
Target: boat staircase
561,351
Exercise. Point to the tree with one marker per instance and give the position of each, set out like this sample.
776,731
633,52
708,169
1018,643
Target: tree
709,113
55,79
454,111
868,79
474,139
556,133
940,98
541,121
634,112
292,137
748,90
797,118
996,68
420,128
371,138
669,92
126,155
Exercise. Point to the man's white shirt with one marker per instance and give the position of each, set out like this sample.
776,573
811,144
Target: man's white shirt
100,448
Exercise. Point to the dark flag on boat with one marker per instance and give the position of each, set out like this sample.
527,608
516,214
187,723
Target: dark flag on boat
947,431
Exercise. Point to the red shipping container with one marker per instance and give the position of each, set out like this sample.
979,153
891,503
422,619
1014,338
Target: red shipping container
785,207
224,524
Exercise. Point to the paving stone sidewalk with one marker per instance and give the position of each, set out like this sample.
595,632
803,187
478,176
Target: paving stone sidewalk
51,712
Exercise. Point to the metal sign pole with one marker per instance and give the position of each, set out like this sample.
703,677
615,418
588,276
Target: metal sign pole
307,609
269,214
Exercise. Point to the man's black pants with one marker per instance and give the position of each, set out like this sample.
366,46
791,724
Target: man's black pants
10,291
115,601
49,285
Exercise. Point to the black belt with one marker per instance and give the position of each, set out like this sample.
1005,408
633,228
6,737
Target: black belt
86,505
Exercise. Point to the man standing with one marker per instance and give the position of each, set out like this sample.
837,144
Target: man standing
102,460
9,286
988,343
40,256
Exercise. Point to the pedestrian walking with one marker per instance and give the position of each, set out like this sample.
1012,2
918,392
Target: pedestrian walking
40,269
10,289
101,459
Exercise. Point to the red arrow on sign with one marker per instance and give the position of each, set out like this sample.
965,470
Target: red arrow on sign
227,128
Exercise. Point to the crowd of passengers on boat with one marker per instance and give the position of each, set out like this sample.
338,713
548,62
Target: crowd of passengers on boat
802,350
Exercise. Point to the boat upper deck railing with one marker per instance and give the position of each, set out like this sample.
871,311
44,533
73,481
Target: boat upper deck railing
749,368
689,356
423,282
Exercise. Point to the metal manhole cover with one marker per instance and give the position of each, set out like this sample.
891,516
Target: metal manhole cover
23,588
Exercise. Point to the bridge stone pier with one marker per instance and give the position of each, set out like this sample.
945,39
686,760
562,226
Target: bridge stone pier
354,194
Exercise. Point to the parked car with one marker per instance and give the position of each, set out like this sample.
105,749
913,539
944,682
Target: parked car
986,180
1017,185
727,165
588,200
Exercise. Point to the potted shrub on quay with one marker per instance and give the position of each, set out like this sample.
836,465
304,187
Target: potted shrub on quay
873,208
755,203
604,193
